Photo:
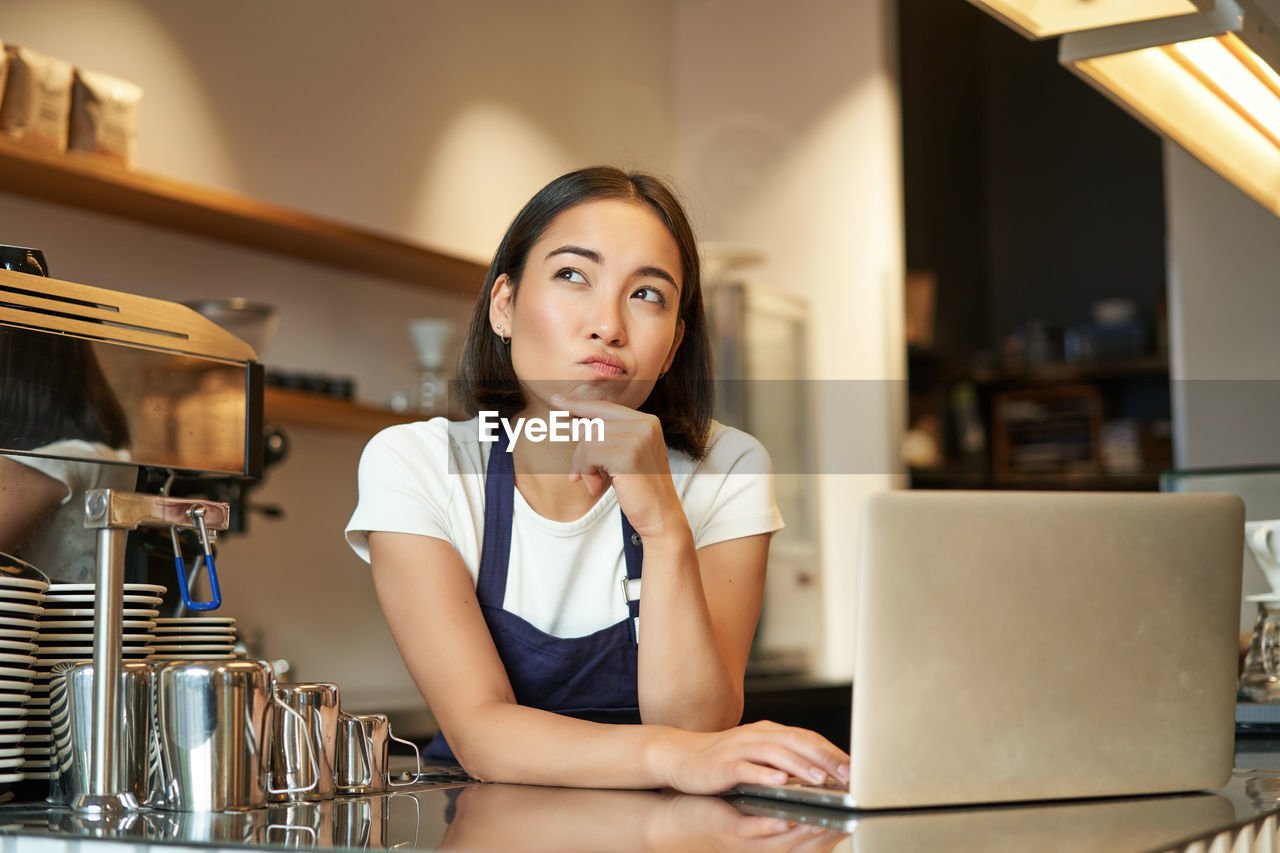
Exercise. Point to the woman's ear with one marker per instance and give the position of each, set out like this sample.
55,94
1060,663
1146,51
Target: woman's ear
500,304
675,345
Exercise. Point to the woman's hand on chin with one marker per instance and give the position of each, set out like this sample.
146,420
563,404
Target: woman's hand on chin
763,753
633,456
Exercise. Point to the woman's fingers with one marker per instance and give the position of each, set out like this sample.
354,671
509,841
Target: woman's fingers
759,754
748,772
786,758
820,752
583,468
579,407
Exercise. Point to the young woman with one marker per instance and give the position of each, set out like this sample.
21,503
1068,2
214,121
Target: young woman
548,596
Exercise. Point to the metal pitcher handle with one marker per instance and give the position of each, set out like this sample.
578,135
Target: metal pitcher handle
311,754
417,757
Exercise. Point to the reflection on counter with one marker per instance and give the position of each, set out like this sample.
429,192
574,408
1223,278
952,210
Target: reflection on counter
453,814
521,817
473,817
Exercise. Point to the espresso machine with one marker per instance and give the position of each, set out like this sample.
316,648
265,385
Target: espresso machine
185,393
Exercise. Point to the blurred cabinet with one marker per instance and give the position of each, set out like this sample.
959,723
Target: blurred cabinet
1104,425
1054,431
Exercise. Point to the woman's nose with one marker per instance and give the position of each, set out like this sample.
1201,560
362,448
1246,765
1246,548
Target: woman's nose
606,323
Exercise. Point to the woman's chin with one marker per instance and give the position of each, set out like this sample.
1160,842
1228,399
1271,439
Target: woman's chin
612,390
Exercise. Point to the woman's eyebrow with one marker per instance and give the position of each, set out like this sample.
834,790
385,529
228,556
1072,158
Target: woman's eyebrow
596,258
658,272
590,254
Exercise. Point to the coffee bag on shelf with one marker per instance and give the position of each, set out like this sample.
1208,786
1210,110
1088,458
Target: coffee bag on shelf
104,117
37,99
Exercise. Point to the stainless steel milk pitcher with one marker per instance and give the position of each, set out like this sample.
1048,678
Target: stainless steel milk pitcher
71,718
363,743
317,706
213,723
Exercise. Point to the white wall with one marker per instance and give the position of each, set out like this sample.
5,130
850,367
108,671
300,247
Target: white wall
431,120
435,120
428,118
1224,299
787,130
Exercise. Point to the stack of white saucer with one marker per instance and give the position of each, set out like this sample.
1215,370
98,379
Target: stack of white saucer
21,594
194,638
66,635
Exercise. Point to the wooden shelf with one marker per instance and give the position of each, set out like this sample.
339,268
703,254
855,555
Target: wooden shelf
87,184
298,408
943,478
929,367
1149,367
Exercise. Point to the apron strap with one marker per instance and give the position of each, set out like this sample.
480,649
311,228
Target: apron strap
633,553
499,506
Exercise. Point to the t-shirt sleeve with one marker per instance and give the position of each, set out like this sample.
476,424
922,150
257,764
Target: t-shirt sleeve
78,468
403,484
731,490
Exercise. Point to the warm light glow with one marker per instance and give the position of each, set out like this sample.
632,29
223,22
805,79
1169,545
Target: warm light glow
1227,67
1212,96
1040,18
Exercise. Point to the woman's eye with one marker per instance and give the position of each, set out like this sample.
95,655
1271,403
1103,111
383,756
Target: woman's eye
651,294
569,274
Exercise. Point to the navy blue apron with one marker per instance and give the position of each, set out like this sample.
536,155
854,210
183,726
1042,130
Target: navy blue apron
592,677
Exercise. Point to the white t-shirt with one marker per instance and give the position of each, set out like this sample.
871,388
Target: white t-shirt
62,547
564,577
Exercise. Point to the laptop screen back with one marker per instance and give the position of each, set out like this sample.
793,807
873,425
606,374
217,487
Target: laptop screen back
1022,645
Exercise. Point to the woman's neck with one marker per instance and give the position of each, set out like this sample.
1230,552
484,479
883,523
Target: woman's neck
542,475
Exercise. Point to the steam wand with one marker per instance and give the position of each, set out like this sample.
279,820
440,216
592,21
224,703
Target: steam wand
113,514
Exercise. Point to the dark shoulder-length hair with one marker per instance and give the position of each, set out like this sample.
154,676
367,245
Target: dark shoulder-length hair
53,389
682,399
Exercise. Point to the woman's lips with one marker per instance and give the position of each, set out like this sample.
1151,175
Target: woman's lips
604,365
604,368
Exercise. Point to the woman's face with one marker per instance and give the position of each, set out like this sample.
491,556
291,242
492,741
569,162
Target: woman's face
597,313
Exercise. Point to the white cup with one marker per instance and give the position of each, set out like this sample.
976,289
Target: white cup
1263,540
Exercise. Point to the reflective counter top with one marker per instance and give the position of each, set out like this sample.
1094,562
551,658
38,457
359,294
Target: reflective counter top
1244,815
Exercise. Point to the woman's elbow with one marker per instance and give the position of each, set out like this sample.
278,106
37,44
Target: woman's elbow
696,716
474,761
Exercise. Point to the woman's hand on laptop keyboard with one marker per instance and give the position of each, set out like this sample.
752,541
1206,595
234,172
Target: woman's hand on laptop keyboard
762,753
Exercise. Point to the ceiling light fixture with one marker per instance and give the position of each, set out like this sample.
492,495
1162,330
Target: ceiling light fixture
1208,81
1037,19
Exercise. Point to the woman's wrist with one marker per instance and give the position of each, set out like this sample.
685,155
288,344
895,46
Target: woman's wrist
660,754
672,532
670,552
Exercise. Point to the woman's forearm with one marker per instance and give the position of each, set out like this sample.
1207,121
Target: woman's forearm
504,742
683,677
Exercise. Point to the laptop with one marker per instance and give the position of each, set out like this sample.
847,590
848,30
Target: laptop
1016,646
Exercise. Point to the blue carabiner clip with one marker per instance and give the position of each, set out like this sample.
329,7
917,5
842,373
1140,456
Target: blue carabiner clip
215,600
